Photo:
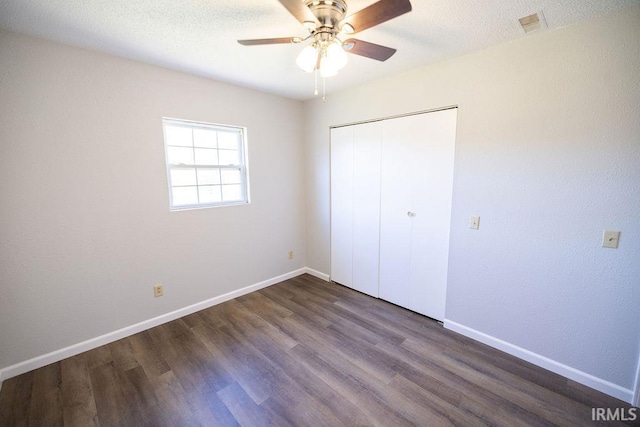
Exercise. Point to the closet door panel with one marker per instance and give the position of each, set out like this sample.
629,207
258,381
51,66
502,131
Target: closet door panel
395,213
366,206
432,193
342,205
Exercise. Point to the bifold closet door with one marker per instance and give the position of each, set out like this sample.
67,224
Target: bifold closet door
415,218
342,205
366,206
355,206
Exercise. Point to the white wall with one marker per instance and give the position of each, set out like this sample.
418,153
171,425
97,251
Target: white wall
85,227
548,154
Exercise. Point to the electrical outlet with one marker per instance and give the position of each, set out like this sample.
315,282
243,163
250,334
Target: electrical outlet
290,254
158,291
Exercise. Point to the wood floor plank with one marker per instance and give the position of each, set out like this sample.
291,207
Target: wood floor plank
145,353
313,385
248,330
294,307
16,411
269,306
245,410
268,385
194,319
447,412
140,387
209,409
274,333
483,402
167,331
112,394
247,367
301,288
123,354
352,322
566,413
299,410
369,358
78,401
173,408
301,352
46,397
97,356
242,318
340,375
193,364
465,361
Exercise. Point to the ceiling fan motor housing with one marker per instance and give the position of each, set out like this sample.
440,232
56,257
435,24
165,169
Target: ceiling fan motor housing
328,12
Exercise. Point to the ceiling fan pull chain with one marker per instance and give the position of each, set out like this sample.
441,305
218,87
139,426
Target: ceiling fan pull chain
324,90
315,92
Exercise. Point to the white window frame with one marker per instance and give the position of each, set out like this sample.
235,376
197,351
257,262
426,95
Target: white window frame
242,166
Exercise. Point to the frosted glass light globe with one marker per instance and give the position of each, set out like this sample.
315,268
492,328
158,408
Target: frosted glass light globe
336,56
307,58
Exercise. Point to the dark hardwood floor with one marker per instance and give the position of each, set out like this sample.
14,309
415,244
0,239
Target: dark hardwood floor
304,353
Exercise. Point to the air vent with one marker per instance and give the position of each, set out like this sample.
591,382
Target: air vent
533,22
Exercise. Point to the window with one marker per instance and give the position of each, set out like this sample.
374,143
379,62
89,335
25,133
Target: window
206,164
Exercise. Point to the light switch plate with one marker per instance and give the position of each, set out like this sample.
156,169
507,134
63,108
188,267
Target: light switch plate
474,222
610,239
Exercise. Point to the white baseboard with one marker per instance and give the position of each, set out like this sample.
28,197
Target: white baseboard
56,356
544,362
317,274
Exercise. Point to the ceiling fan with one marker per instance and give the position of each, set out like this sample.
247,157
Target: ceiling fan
327,21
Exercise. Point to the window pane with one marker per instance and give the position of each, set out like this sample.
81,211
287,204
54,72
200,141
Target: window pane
231,192
183,177
178,135
229,157
180,156
205,164
206,156
204,138
231,176
208,176
229,140
210,194
185,196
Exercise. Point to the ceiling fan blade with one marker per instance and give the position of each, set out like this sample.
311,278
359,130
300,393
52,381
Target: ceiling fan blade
280,40
369,50
299,10
378,13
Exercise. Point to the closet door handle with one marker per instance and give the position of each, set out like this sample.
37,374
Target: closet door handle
411,214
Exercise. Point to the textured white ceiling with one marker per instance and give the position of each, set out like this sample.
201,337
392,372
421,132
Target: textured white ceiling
199,36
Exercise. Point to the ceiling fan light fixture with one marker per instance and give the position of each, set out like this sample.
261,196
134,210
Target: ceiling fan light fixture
326,71
308,58
334,56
